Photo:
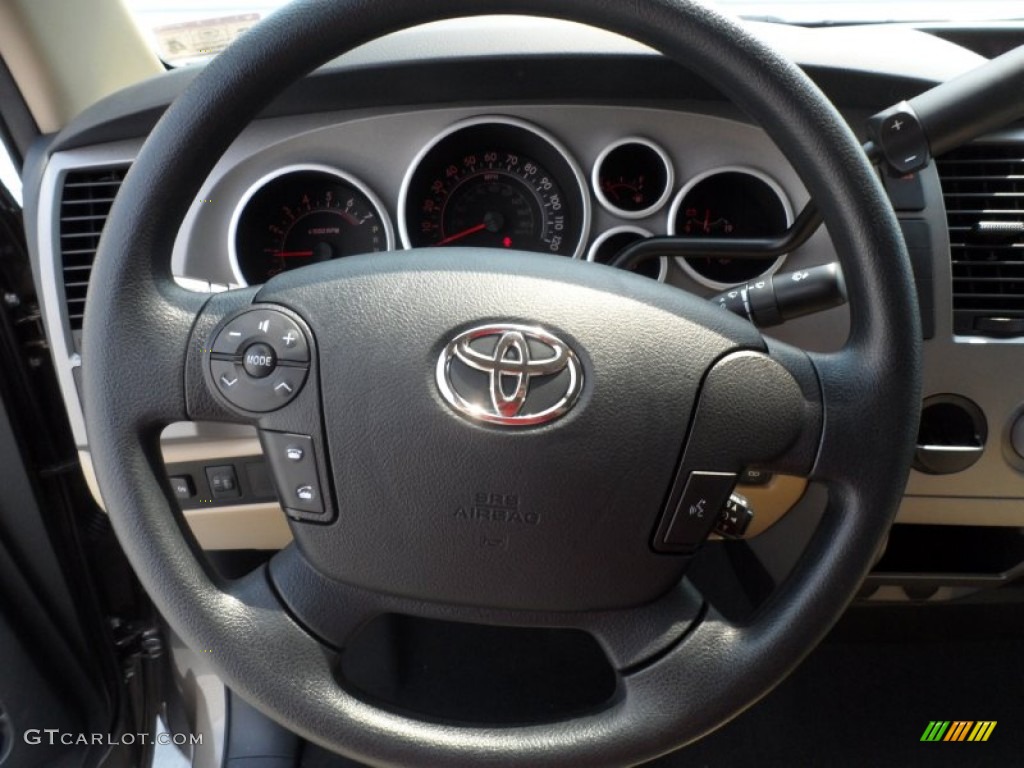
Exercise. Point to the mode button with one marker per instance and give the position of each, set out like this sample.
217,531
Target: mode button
259,360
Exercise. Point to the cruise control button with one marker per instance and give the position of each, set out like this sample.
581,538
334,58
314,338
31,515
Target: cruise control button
259,360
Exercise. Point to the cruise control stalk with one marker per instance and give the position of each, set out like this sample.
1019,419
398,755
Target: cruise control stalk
984,99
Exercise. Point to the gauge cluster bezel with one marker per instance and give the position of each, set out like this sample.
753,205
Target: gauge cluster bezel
596,218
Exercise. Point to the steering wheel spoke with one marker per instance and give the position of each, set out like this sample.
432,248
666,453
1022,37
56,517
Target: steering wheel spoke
152,335
758,410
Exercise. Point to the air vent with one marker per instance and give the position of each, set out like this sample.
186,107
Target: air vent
84,206
983,186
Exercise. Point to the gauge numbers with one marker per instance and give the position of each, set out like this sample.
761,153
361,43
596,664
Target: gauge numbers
495,183
305,215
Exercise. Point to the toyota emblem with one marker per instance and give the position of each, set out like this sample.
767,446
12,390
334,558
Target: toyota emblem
513,375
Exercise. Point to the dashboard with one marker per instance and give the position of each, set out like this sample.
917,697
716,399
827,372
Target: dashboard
547,137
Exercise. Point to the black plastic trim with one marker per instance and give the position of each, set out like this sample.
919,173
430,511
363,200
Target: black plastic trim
18,129
648,79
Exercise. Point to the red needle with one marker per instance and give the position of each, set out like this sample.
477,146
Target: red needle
462,234
707,219
292,254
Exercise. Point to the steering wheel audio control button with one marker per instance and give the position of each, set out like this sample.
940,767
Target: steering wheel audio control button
264,326
249,392
697,511
287,383
259,360
226,376
292,460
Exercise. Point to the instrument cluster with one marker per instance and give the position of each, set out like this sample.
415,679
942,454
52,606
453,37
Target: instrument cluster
505,183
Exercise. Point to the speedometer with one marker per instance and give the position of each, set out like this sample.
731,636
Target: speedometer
495,183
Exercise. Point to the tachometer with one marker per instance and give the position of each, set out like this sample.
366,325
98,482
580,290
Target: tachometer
303,215
495,182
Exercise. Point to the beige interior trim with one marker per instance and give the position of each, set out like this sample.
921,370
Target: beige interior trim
205,449
770,502
89,472
68,54
241,526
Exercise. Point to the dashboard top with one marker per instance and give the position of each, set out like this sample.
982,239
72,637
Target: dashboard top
902,61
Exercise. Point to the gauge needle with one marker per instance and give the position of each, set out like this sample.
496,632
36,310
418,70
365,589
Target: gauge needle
292,254
464,233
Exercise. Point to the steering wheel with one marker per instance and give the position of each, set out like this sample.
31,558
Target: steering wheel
620,402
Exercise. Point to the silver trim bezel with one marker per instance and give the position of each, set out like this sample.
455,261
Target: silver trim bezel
652,209
677,202
348,178
581,183
631,229
51,279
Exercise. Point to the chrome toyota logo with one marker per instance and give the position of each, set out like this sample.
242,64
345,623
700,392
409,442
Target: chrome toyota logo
509,374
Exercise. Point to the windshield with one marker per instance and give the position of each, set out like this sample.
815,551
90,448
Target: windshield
185,31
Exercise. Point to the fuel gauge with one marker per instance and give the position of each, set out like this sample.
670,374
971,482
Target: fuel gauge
632,178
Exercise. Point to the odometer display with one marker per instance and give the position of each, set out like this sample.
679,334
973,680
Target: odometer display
495,185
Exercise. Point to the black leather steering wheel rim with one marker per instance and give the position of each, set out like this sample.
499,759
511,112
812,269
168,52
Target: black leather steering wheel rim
869,391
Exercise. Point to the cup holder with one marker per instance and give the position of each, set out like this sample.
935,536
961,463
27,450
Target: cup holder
951,436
